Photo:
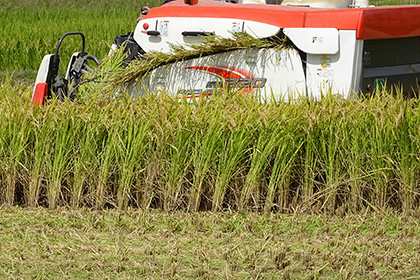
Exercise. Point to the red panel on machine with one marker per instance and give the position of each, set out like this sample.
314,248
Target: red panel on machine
41,91
371,23
390,22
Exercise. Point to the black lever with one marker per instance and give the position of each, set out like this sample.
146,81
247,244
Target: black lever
153,33
196,33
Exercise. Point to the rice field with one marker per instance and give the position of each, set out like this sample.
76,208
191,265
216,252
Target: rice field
228,189
232,153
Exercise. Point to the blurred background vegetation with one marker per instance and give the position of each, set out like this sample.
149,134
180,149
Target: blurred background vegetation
32,28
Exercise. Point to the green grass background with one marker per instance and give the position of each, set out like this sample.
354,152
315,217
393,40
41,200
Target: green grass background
31,29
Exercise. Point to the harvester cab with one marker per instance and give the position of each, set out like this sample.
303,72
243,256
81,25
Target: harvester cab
48,82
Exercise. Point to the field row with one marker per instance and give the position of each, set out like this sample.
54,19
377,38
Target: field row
230,153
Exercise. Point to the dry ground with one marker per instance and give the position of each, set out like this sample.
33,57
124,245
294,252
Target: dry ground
86,244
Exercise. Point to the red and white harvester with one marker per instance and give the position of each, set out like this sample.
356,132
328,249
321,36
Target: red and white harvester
339,47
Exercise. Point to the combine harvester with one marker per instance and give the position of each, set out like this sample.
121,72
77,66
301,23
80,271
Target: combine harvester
342,48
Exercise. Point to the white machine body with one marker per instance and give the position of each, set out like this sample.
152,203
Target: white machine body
333,50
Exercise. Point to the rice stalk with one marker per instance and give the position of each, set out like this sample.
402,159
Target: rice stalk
131,146
179,159
206,146
357,148
281,173
310,155
38,175
232,160
406,158
266,143
331,154
105,162
381,152
86,149
18,128
61,148
210,45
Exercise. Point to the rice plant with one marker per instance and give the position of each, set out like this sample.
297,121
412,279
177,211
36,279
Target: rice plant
229,153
